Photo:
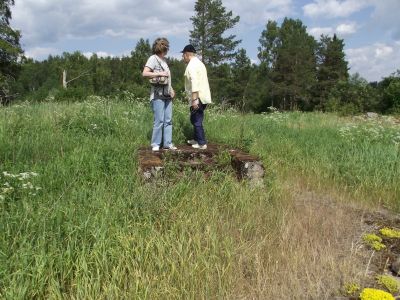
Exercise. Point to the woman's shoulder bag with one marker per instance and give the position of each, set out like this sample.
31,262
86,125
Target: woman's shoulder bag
159,80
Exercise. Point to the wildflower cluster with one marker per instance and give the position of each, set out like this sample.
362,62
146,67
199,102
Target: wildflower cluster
220,113
272,109
390,233
374,294
374,241
351,288
389,283
130,97
95,98
14,185
372,130
276,116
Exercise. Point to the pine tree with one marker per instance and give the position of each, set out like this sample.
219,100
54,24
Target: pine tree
241,70
139,57
267,54
210,23
287,56
269,43
10,49
332,66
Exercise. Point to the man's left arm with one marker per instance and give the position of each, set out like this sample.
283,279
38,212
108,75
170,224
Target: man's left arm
195,82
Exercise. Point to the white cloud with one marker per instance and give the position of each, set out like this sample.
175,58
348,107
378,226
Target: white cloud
98,53
41,52
375,61
47,26
316,32
346,28
383,51
49,21
341,30
386,16
333,8
255,12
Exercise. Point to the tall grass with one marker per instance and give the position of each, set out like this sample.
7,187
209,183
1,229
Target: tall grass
87,227
359,156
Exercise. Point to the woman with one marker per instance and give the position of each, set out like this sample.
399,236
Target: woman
161,95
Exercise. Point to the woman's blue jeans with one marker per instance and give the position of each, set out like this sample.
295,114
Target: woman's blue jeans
162,124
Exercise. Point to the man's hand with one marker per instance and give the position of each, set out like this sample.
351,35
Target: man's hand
195,103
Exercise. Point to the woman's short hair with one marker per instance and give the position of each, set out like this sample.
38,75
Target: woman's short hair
160,45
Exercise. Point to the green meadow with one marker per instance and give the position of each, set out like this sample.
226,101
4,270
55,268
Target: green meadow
78,222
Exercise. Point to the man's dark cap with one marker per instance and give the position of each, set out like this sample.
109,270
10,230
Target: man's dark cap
188,48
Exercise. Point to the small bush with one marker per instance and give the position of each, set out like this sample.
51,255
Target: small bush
389,283
374,241
390,233
351,288
72,94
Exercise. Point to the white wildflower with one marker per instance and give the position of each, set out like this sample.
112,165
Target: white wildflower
6,174
28,185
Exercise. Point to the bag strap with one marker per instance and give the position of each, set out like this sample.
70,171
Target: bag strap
155,56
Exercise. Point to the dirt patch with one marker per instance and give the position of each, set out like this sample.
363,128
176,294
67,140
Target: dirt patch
377,221
341,224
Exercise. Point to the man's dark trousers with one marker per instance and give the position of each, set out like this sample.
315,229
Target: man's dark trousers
196,118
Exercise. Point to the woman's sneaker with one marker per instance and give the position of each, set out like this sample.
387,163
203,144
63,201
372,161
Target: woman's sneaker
155,148
201,147
191,142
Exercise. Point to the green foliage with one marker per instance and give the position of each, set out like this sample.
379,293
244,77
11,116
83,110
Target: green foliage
210,22
352,97
269,45
241,71
351,288
390,232
288,57
139,57
391,94
374,241
10,50
221,83
96,230
332,67
389,283
14,187
72,94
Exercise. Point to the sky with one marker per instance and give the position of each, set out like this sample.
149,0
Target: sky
370,28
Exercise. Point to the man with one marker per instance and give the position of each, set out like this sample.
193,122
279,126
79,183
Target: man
198,92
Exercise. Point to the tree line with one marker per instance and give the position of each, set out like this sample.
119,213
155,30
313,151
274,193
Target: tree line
294,71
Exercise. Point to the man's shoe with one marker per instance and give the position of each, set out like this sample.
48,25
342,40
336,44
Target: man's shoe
155,148
171,147
191,142
201,147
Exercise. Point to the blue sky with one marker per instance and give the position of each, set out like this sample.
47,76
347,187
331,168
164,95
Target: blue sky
370,28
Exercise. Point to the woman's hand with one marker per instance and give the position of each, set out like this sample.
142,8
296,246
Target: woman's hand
149,73
172,93
162,74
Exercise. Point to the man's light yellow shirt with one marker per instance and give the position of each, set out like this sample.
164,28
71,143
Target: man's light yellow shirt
196,80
